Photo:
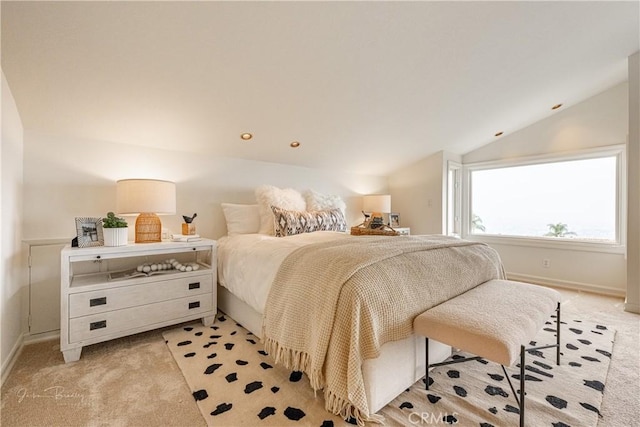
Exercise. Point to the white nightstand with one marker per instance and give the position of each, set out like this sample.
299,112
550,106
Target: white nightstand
97,304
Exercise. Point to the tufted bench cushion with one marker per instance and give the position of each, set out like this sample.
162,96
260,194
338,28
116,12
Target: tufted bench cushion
491,320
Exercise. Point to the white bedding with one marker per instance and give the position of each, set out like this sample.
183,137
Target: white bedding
248,263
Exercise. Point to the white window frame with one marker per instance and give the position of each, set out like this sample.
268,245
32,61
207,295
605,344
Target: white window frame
454,199
619,151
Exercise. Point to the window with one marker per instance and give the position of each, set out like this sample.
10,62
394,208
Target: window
575,197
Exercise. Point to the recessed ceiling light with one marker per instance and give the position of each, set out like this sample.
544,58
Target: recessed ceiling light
555,107
499,133
295,144
246,136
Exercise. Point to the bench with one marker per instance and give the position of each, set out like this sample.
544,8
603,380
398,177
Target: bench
493,321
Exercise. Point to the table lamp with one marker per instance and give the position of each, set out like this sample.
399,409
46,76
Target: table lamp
146,198
377,204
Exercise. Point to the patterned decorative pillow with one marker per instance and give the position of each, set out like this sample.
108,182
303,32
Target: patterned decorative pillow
288,223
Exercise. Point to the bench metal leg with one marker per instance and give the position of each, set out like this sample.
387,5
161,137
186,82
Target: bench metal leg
445,363
426,364
523,353
558,334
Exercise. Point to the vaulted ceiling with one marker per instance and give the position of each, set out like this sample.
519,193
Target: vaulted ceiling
363,86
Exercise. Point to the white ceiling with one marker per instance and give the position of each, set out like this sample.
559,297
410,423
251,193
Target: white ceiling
364,86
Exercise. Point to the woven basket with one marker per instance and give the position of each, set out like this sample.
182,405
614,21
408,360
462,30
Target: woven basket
385,230
148,228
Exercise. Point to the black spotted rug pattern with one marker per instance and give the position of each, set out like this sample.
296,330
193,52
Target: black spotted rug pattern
235,382
476,393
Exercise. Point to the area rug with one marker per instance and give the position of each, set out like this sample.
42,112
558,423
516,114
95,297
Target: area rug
234,383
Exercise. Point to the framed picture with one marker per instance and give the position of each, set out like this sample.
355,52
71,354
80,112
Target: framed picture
89,232
394,220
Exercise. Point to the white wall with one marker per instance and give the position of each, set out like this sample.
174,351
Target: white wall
12,271
418,194
599,121
633,220
67,177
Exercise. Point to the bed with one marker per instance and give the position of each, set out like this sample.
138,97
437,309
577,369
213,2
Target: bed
247,267
336,306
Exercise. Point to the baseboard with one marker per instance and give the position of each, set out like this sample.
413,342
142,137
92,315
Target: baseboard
8,365
16,351
565,284
632,307
45,336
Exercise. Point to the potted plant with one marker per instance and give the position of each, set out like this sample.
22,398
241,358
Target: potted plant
115,230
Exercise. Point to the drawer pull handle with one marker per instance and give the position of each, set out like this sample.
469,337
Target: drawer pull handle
194,305
97,301
97,325
195,285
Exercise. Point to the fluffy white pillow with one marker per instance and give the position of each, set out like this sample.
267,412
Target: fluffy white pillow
241,219
318,202
268,195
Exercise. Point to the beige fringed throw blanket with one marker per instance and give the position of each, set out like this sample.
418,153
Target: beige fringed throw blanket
334,304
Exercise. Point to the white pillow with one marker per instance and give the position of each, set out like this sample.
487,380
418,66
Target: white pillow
319,202
268,195
241,219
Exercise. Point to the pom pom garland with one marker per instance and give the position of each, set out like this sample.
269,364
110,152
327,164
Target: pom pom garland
169,264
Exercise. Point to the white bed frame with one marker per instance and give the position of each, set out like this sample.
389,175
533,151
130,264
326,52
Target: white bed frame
399,366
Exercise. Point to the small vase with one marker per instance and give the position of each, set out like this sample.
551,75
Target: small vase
188,229
115,236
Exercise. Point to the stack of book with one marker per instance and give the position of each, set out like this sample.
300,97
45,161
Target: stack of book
185,237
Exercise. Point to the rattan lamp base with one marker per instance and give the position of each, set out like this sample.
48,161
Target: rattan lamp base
148,228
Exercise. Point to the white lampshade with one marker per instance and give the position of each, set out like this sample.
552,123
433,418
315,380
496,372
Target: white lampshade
146,197
136,196
378,203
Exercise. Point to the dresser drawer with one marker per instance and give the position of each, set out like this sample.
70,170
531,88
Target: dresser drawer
86,303
116,323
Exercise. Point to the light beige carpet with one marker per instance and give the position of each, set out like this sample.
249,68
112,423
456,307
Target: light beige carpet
236,383
131,381
149,389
